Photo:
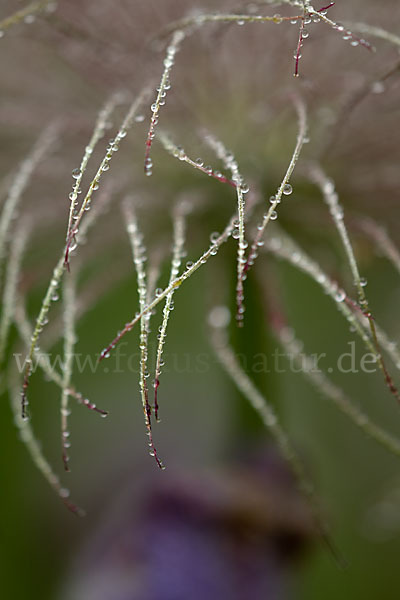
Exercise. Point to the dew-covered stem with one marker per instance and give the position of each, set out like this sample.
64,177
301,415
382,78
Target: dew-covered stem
164,86
284,189
286,248
98,132
179,152
139,259
302,35
332,200
190,269
179,233
69,301
195,21
241,189
50,296
43,360
52,290
347,34
112,148
377,32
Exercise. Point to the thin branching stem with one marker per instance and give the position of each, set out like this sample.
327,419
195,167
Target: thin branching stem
58,271
179,234
164,86
43,360
179,152
241,189
190,269
332,200
377,32
284,189
104,166
347,33
98,132
139,259
282,246
300,42
69,302
202,19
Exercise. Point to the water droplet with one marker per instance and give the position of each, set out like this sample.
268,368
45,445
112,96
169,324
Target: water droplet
214,237
76,173
340,296
189,264
287,189
273,215
363,282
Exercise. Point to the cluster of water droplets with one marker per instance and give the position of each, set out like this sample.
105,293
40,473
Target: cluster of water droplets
349,36
161,90
178,253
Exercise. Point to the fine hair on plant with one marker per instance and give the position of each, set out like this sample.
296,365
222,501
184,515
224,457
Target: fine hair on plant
272,202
